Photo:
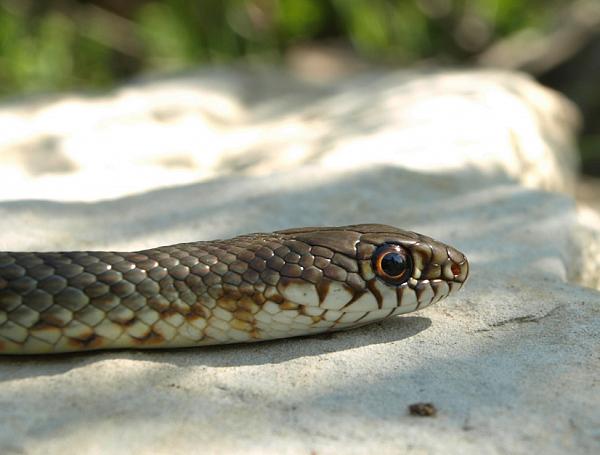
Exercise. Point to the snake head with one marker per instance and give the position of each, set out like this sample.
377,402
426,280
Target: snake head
366,272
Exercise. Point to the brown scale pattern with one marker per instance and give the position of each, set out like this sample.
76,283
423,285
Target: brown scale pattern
195,293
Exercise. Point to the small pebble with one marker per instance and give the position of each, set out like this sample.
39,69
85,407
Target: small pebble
422,410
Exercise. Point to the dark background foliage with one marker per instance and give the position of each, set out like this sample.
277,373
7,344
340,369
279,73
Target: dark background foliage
67,44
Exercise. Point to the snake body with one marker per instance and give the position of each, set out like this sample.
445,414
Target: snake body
249,288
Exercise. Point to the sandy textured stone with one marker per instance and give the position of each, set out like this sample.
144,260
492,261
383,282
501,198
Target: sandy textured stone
510,364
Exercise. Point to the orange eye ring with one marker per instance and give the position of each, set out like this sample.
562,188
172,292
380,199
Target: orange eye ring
392,263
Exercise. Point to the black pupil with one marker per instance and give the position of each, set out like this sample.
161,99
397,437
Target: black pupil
394,264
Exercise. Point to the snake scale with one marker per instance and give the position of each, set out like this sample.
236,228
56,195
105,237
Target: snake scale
249,288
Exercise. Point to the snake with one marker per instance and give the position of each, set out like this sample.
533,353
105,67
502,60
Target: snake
253,287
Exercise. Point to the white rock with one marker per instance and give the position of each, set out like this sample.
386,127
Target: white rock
214,123
511,362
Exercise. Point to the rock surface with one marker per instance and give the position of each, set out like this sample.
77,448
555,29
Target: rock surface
163,133
511,364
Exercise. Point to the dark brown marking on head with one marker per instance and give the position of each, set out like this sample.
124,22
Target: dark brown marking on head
357,293
435,284
375,292
351,289
323,289
400,293
419,290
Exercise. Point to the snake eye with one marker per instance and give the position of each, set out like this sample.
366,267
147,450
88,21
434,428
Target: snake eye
392,263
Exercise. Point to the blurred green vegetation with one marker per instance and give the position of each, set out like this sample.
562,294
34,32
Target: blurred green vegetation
66,44
50,45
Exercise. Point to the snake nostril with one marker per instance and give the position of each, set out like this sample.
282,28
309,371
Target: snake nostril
455,269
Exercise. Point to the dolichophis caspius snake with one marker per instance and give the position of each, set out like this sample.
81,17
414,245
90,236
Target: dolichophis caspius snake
249,288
